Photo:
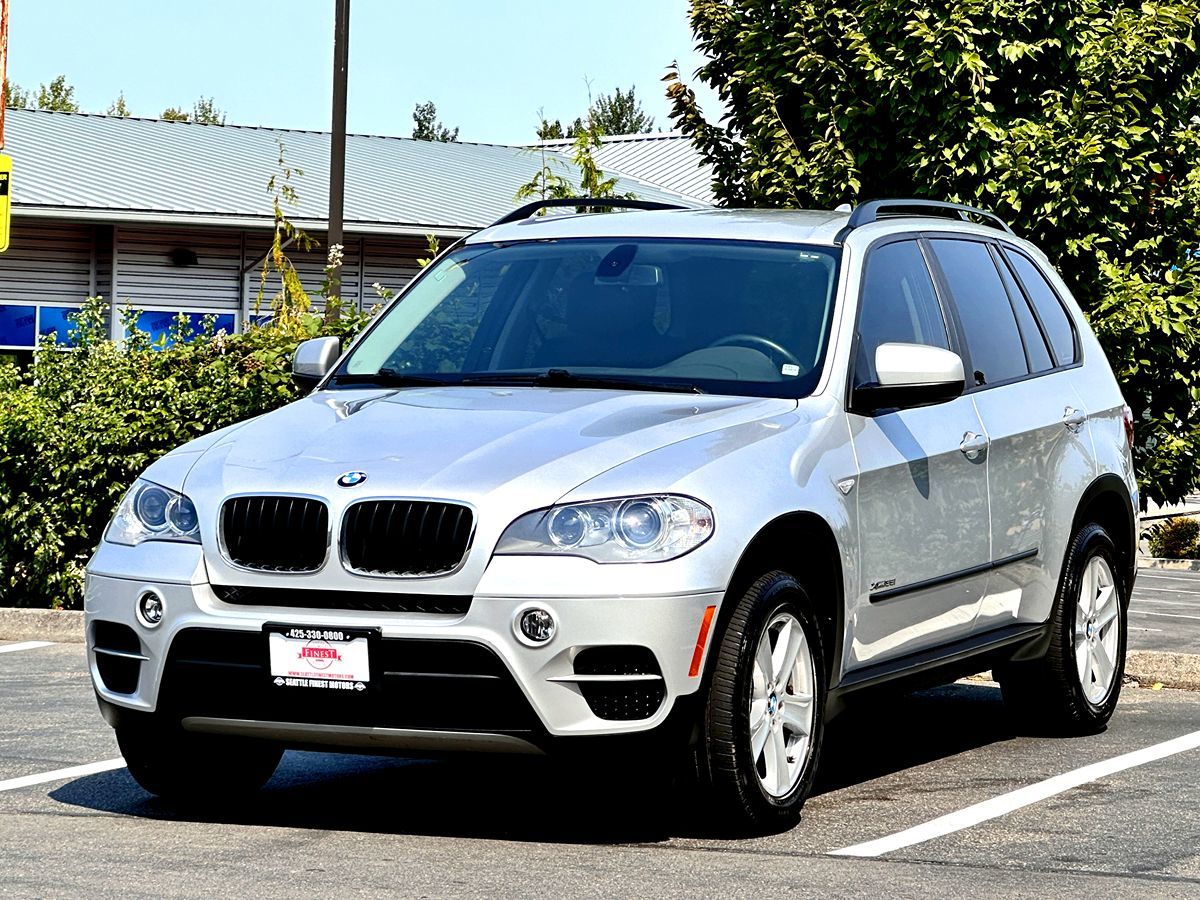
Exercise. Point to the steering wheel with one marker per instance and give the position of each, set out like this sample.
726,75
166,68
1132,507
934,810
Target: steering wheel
751,340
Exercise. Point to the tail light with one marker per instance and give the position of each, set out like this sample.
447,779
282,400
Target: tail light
1127,418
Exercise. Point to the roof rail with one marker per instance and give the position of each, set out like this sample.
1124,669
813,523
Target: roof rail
526,211
873,210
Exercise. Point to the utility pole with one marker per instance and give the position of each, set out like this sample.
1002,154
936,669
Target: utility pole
337,145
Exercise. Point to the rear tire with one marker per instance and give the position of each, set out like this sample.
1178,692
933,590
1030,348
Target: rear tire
1074,688
764,714
196,769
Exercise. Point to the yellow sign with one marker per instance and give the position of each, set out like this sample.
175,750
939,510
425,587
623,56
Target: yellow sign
5,199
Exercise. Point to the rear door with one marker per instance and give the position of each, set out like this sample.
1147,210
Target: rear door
1022,389
922,500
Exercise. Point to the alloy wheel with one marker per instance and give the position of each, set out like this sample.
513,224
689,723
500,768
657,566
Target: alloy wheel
1097,630
781,705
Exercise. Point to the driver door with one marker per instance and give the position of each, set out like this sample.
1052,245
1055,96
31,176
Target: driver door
922,498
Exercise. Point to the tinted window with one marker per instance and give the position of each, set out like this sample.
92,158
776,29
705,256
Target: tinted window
898,306
1054,317
988,322
1035,344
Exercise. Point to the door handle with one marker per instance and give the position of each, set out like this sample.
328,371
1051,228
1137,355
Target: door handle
1074,418
973,444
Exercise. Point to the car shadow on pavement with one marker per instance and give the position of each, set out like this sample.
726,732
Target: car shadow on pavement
537,800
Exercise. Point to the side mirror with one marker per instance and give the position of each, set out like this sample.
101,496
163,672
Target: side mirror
314,360
910,375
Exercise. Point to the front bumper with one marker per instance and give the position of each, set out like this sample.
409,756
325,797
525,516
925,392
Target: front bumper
457,674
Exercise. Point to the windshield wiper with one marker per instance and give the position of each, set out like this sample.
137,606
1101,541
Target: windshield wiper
392,378
565,378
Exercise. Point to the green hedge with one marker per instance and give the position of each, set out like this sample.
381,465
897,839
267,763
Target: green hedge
79,425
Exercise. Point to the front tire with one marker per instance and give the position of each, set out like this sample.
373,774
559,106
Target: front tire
1074,688
764,714
196,769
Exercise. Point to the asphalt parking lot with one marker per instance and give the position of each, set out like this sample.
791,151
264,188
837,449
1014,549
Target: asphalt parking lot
1165,611
964,806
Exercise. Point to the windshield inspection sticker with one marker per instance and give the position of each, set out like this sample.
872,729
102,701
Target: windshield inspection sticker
791,369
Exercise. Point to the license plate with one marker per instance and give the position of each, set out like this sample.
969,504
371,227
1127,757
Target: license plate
331,659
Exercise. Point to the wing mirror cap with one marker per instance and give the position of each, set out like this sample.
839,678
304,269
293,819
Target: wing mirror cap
910,375
314,360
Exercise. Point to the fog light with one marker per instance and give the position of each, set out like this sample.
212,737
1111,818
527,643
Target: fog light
150,609
536,625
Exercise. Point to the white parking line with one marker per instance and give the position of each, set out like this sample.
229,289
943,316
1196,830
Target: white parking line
1146,612
60,774
1026,796
25,645
1157,590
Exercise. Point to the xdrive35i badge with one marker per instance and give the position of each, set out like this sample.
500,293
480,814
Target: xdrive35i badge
352,479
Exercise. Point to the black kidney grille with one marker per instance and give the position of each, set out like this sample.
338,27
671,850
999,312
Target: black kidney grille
276,534
406,537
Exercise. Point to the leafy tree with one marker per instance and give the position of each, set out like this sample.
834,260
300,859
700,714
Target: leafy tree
620,113
57,96
548,183
15,97
550,131
205,112
1072,119
427,127
118,107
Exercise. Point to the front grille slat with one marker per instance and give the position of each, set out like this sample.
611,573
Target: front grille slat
275,534
365,601
420,545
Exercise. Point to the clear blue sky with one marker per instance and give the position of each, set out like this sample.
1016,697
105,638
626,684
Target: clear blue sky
487,64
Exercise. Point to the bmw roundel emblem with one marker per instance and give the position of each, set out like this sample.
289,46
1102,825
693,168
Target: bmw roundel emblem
352,479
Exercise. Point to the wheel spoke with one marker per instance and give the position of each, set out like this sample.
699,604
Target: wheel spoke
762,662
1102,664
758,738
796,713
773,763
783,649
796,642
1083,662
781,762
1108,607
1087,589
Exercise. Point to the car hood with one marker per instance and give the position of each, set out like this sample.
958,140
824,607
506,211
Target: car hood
462,443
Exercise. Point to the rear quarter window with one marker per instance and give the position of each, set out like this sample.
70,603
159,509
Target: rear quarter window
1049,308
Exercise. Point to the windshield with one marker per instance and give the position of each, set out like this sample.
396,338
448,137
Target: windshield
730,317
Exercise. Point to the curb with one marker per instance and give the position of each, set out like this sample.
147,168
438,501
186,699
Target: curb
1178,565
1172,670
57,625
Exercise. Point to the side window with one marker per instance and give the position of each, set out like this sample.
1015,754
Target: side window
1031,334
1049,308
899,305
989,324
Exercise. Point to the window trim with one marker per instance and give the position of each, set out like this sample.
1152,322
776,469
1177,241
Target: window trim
948,315
1005,249
971,388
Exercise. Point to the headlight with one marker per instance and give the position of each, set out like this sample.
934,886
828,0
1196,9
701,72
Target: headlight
150,512
628,529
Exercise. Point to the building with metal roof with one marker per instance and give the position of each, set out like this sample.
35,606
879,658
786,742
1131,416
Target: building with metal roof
667,159
176,216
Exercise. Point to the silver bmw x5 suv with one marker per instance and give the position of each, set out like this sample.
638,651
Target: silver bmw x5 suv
683,479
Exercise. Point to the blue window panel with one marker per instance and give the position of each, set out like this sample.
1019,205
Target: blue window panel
18,326
55,319
157,324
